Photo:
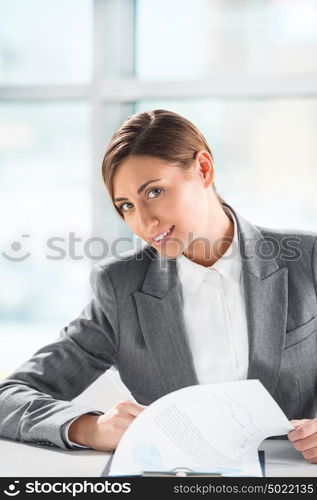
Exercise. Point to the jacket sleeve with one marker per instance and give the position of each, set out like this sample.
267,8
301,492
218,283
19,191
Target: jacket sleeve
35,400
314,264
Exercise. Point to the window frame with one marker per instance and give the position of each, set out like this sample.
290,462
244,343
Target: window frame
114,90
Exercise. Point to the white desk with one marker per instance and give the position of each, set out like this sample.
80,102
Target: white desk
25,460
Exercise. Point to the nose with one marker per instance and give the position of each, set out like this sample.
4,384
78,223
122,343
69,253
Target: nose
148,221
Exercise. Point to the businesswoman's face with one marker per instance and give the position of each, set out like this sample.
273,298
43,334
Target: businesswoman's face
167,206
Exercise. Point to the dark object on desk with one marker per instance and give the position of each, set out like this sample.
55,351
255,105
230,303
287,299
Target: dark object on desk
180,473
262,460
106,470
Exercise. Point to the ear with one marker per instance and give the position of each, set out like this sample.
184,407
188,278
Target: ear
205,167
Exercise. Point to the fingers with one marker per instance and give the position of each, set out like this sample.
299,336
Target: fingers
129,408
297,423
112,424
304,428
120,424
304,438
306,443
110,432
311,455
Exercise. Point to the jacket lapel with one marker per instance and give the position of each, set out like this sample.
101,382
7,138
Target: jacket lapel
266,301
160,310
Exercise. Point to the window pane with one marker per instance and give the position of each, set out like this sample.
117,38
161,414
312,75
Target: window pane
201,38
265,155
44,193
45,41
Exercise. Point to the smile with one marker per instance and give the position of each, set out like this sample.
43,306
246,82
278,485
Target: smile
164,236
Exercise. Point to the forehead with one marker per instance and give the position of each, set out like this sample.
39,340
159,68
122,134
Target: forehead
137,169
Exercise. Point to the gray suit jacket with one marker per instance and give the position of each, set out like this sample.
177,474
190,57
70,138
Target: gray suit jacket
135,322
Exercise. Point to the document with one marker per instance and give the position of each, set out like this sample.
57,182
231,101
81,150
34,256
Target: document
203,429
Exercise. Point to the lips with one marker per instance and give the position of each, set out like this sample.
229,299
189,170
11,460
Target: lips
161,237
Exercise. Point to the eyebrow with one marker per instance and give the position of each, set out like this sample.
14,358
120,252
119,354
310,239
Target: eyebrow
141,188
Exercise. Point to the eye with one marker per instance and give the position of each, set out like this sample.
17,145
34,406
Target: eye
121,207
152,193
156,191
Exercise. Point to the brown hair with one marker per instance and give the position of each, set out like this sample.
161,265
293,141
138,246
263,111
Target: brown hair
160,133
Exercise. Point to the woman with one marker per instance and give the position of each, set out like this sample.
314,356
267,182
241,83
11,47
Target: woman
210,298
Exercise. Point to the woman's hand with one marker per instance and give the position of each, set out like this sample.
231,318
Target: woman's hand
304,438
103,432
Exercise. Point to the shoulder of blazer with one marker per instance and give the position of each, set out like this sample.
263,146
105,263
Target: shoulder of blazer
305,236
126,271
293,247
276,248
305,240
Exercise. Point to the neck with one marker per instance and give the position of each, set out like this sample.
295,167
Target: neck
207,250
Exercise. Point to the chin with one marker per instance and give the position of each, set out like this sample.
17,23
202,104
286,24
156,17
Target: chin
172,250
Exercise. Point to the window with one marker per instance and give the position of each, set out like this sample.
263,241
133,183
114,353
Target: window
51,143
264,151
198,39
46,42
244,71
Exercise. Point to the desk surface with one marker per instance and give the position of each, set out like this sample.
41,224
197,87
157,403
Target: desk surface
26,460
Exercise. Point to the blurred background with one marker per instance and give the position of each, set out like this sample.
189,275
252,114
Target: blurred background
244,71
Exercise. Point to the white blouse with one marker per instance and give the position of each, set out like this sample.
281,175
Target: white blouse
215,317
